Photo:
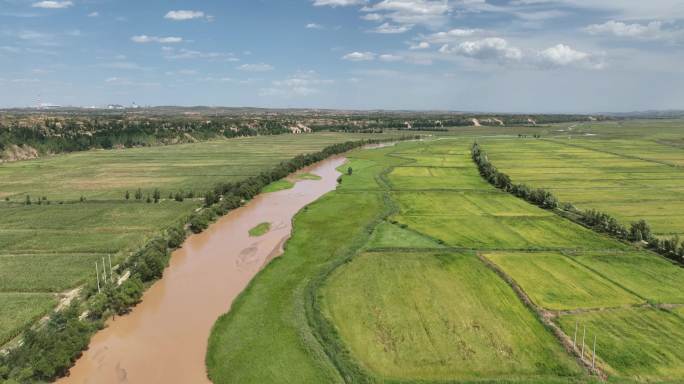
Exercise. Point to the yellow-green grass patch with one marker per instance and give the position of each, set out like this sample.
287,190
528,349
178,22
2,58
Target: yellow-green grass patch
553,281
487,232
278,186
260,230
387,235
19,310
435,178
648,275
464,203
307,176
438,316
45,272
640,344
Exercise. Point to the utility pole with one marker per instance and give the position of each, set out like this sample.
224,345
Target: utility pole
574,340
111,274
583,336
593,359
104,268
98,277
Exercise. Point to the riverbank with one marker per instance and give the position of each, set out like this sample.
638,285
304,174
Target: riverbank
164,338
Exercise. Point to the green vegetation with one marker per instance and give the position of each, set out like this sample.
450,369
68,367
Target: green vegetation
409,300
643,344
655,279
138,235
629,171
260,230
190,168
388,235
438,316
307,176
426,265
268,322
339,334
20,310
554,281
278,185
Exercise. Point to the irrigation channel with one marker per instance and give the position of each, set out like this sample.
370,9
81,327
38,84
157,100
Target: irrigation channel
164,339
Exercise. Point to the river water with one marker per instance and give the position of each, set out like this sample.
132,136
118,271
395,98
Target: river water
164,339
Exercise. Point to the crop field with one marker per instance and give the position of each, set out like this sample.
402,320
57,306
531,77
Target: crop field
632,173
642,344
400,304
437,316
554,281
50,248
189,167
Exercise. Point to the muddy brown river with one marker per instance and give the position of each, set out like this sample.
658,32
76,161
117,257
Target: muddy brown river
164,339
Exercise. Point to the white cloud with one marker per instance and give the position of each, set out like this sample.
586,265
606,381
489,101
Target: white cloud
420,45
359,56
651,30
388,28
183,53
425,12
142,39
491,48
451,35
258,67
372,17
94,14
49,4
182,15
390,58
313,26
338,3
561,55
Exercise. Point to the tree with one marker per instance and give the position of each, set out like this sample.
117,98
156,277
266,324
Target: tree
640,231
138,194
156,195
350,171
28,200
128,195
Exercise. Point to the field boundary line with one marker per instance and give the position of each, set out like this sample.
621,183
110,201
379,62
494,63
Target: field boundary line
624,156
603,276
545,317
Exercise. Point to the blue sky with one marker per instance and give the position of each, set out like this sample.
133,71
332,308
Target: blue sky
476,55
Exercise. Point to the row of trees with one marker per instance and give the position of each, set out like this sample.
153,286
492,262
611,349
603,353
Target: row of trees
537,196
639,231
48,351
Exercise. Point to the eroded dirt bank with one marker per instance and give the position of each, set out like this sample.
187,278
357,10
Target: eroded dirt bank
164,339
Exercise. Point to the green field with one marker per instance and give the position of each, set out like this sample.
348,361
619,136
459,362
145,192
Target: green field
437,316
416,304
642,344
20,310
555,281
47,249
632,170
414,270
